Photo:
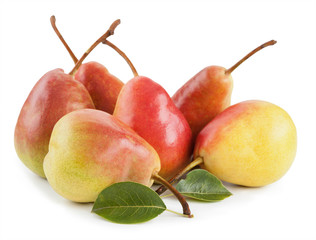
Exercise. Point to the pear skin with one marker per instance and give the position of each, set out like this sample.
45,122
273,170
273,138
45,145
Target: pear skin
148,109
103,87
53,96
252,143
204,96
90,149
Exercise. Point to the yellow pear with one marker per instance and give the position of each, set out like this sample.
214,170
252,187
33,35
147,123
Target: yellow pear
252,143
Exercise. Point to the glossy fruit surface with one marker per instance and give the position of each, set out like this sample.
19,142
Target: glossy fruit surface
53,96
147,108
204,96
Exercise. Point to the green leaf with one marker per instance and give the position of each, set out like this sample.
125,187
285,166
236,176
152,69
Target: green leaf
128,202
202,185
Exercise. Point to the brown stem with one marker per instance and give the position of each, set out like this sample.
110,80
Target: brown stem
185,205
108,33
123,55
53,22
193,164
270,43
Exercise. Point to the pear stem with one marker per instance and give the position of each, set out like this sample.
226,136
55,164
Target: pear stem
72,55
108,33
193,164
119,51
270,43
185,205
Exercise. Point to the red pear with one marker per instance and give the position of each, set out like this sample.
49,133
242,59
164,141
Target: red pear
208,93
147,108
53,96
103,87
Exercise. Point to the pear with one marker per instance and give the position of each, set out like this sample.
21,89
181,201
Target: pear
90,149
103,86
53,96
252,143
148,109
208,93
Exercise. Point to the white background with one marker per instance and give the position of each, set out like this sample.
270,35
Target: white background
168,41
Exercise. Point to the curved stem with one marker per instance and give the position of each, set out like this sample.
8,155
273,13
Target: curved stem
193,164
270,43
53,22
119,51
185,205
108,33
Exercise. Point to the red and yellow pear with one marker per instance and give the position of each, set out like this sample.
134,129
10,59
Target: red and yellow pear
90,149
53,96
208,93
252,143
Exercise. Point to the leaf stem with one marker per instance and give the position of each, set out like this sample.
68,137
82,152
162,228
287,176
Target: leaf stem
108,33
185,205
183,215
270,43
72,55
193,164
119,51
167,195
